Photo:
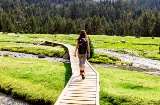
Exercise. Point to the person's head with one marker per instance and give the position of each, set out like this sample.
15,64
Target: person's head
82,34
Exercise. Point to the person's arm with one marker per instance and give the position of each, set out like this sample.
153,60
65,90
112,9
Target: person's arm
76,48
88,48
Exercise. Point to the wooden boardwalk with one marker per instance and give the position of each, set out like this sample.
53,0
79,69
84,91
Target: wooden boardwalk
77,90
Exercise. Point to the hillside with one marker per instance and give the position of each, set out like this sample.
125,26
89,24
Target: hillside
117,17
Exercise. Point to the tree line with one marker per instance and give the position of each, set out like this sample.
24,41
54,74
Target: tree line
108,17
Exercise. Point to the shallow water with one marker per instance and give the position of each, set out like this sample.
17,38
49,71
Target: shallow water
8,100
143,64
32,56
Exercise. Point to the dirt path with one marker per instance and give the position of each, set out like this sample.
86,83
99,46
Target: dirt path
144,63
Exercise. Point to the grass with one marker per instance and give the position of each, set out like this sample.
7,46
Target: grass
33,80
101,58
143,47
56,51
128,88
23,43
37,82
42,81
17,39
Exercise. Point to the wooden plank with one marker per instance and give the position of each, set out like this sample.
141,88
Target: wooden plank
89,85
79,102
80,92
68,104
81,95
84,81
75,89
84,87
93,84
90,77
79,98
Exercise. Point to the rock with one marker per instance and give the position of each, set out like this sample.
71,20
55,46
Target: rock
123,41
48,43
66,56
41,56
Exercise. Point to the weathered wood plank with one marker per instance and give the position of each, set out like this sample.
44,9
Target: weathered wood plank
75,89
68,104
79,102
81,95
80,92
79,98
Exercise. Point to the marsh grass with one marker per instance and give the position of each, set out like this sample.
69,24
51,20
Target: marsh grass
128,87
105,59
42,81
143,47
48,51
33,80
20,39
56,51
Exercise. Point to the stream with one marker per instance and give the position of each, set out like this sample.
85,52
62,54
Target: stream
140,64
32,56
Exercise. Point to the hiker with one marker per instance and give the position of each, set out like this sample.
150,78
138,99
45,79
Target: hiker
83,50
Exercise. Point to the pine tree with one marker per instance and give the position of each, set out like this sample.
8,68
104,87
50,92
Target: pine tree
32,25
156,28
8,26
145,30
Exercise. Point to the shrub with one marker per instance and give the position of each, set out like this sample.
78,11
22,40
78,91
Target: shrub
5,55
91,48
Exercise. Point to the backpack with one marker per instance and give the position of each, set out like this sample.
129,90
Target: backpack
82,49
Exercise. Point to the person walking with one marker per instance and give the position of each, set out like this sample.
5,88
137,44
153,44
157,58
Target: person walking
82,44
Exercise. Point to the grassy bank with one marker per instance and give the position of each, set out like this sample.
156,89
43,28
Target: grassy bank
25,44
33,80
56,51
128,88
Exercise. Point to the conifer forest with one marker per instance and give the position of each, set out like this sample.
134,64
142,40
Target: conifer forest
98,17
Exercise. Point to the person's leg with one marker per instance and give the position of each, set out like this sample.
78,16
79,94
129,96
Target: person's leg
82,70
82,66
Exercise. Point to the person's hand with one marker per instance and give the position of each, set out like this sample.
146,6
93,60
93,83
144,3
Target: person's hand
74,54
88,55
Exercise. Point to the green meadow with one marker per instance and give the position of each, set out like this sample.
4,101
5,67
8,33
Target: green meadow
42,82
144,46
122,87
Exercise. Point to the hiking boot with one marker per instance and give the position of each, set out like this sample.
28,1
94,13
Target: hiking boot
83,77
